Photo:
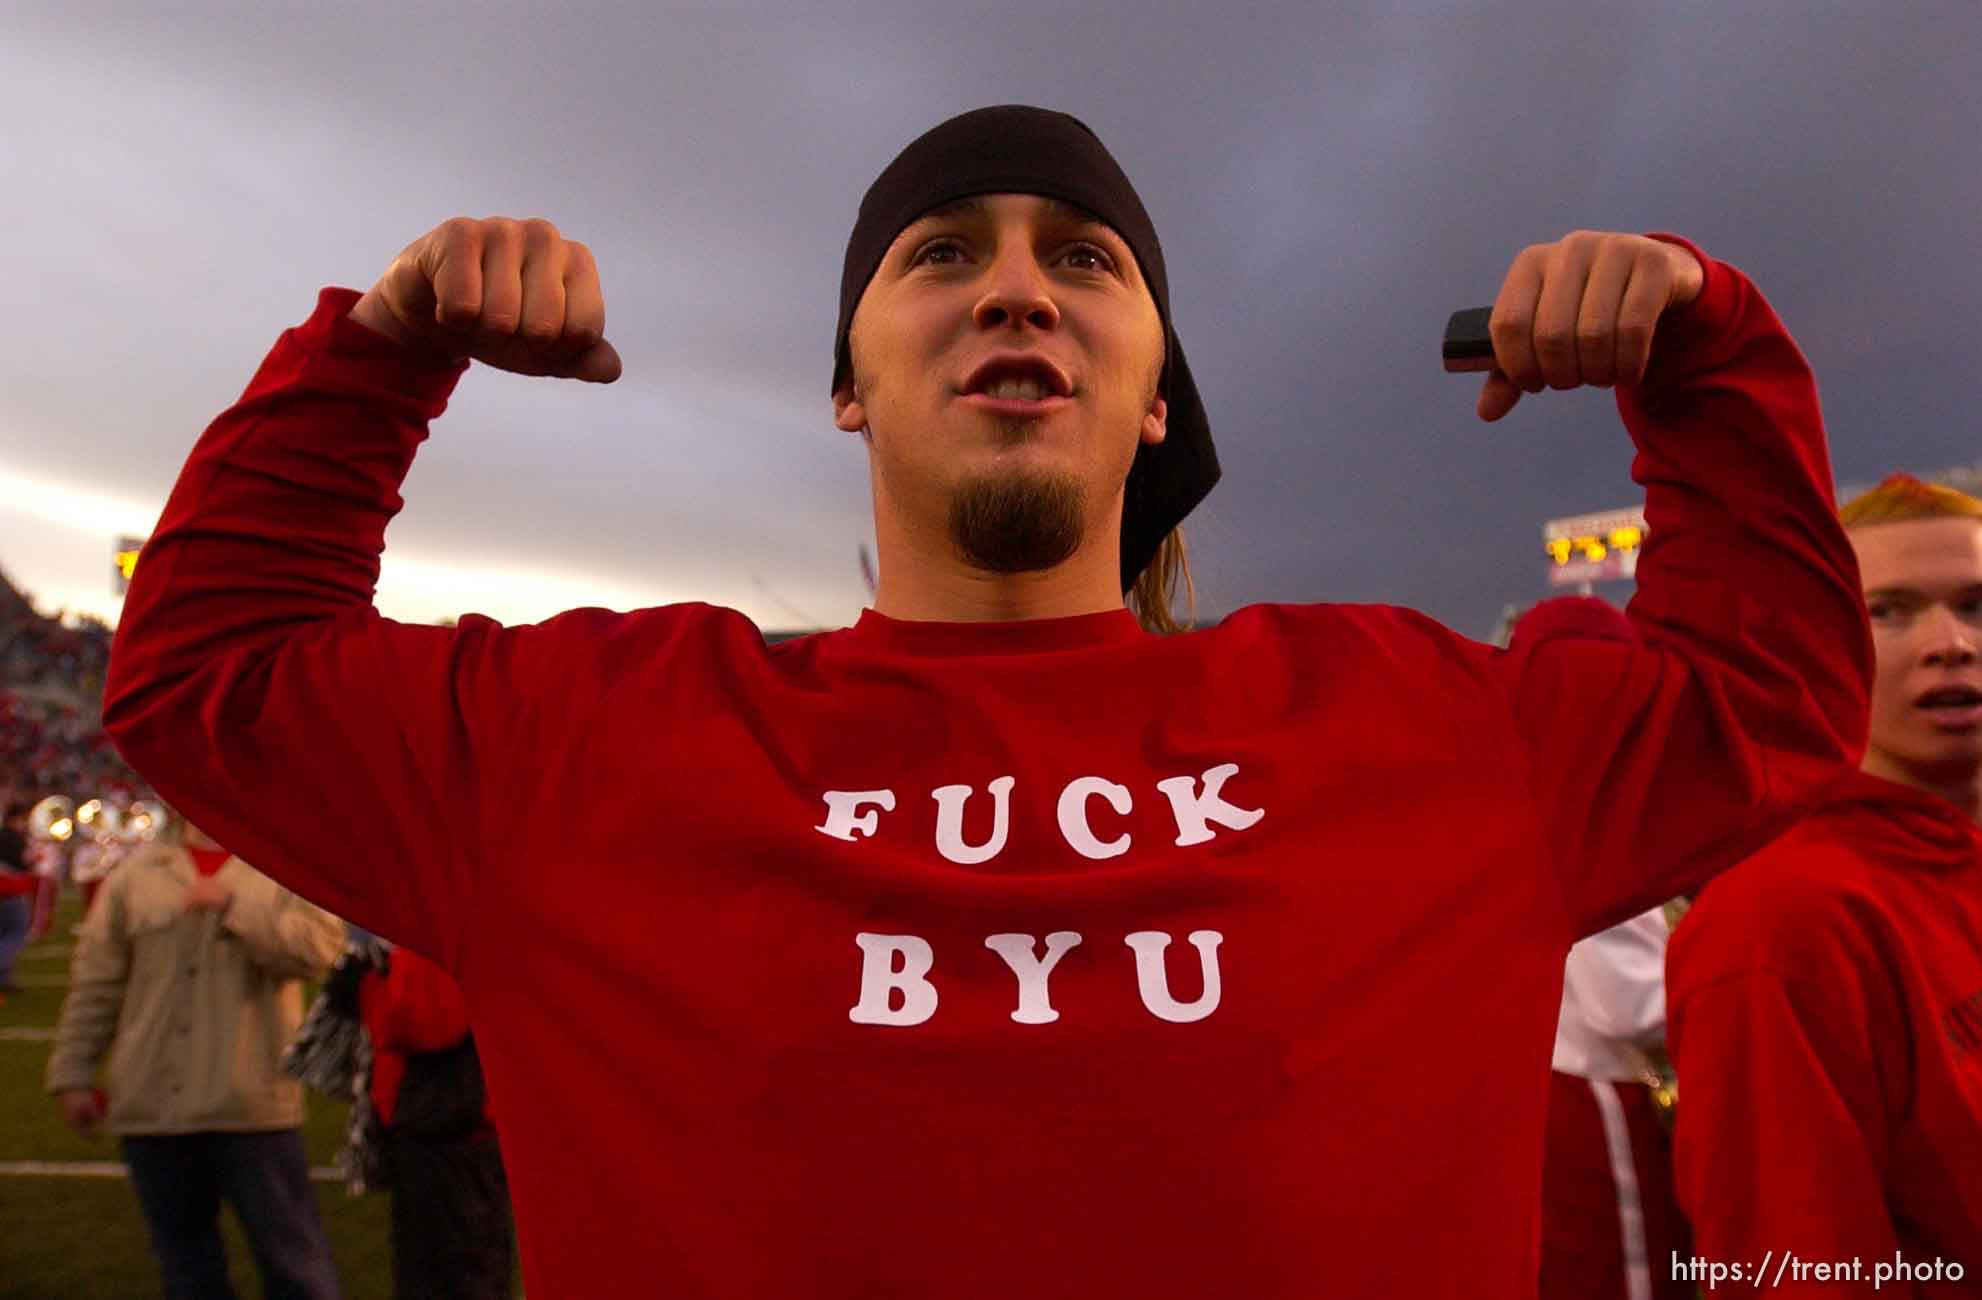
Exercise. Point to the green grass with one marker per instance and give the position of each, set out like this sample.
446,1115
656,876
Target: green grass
82,1238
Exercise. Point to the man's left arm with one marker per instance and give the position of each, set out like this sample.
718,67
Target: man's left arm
287,936
1658,764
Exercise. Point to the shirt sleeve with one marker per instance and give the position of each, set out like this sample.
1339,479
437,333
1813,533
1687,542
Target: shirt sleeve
374,767
1660,762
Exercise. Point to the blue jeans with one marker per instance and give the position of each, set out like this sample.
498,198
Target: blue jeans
15,913
181,1181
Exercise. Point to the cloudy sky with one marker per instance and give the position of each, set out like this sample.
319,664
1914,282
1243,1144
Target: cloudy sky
1329,182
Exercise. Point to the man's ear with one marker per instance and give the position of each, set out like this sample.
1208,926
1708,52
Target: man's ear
849,412
1154,422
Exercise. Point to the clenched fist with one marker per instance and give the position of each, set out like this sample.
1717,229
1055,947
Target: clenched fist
1582,311
516,295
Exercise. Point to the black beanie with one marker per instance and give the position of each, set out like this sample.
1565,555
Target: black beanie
1016,149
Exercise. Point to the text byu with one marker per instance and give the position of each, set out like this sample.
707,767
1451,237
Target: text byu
895,988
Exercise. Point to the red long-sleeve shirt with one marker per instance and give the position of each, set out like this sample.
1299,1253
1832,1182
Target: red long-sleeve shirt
1826,1004
967,960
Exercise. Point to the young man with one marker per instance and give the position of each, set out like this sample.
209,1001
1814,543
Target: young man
1826,995
188,975
994,945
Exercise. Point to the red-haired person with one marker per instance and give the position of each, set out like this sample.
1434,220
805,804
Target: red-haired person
1826,994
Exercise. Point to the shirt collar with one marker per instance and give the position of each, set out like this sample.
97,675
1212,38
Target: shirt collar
915,637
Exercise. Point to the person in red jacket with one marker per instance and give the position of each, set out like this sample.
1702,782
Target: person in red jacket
1826,995
451,1232
995,945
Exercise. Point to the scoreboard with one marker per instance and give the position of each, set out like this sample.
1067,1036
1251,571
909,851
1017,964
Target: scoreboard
1594,548
1604,546
124,562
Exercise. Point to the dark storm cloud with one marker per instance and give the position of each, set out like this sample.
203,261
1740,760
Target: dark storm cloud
1329,182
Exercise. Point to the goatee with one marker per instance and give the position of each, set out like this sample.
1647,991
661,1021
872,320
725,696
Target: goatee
1017,522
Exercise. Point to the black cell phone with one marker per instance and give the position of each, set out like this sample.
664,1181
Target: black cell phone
1468,346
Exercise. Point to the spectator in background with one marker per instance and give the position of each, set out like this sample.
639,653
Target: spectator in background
188,973
1610,1221
1826,994
17,885
452,1238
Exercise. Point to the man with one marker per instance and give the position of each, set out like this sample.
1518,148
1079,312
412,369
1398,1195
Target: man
188,973
994,945
1827,993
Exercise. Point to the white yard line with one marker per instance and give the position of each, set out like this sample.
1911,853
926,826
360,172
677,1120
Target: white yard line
103,1169
41,981
27,1035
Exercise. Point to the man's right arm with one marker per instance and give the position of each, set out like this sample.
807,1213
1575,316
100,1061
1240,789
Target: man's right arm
252,681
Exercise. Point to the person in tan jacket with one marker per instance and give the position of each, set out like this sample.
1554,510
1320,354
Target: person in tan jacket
188,974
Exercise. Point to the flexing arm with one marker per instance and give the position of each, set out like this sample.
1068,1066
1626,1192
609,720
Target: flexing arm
253,682
1658,764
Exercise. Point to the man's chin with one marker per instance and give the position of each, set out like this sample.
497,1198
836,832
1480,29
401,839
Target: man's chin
1017,519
